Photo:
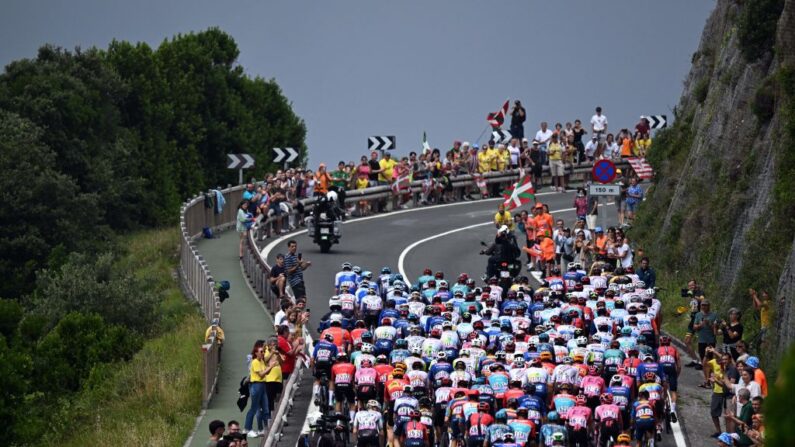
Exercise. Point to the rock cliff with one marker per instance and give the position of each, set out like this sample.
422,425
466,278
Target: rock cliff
722,205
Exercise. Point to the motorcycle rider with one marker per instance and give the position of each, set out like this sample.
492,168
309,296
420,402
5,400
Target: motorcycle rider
503,249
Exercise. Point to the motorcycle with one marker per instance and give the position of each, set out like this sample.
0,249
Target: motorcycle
324,227
506,271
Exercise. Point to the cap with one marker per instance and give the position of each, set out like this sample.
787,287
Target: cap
503,229
618,171
539,205
525,140
725,438
598,230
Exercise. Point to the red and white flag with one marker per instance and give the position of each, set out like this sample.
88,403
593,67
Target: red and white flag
402,184
641,167
497,118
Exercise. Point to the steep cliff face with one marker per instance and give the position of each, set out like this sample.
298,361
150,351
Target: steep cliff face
722,207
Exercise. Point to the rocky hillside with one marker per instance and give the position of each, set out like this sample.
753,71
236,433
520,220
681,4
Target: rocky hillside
722,208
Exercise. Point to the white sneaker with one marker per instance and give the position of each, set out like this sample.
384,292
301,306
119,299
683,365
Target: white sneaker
253,434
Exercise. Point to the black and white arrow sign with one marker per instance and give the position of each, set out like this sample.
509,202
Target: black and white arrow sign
501,136
381,143
239,161
657,121
291,154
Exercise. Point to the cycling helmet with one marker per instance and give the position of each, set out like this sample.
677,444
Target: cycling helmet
465,352
386,271
367,348
381,359
342,355
331,196
441,355
367,274
401,343
626,331
408,389
335,319
386,321
593,370
649,377
545,355
372,403
518,361
329,337
477,342
616,380
507,437
624,438
606,398
439,275
580,399
436,332
367,335
442,284
334,301
522,411
552,416
415,350
347,265
578,357
581,341
640,285
483,406
366,363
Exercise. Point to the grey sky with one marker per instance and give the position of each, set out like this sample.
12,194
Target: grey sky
368,67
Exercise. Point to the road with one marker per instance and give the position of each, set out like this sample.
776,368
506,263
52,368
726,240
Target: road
446,238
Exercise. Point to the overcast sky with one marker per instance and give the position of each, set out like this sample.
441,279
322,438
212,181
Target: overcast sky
353,69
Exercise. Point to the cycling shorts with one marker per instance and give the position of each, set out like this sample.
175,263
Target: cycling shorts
438,415
644,425
456,425
321,369
365,392
343,391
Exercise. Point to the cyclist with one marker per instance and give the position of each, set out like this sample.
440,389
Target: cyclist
623,440
404,409
608,419
323,356
642,417
345,276
579,422
523,428
342,375
415,433
368,426
497,429
552,428
366,377
669,360
478,426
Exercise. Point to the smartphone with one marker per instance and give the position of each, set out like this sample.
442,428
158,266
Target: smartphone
301,255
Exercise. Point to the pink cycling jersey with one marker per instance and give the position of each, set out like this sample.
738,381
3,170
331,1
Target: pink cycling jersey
592,386
366,376
605,412
579,417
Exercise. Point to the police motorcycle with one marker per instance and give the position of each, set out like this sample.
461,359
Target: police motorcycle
324,225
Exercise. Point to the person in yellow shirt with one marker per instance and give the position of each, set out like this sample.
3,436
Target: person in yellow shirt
387,164
503,217
494,156
556,167
258,370
484,160
219,333
273,380
503,158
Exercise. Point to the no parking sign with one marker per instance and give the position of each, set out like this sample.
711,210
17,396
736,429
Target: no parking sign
604,171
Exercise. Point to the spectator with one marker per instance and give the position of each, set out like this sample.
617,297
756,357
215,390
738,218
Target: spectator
362,182
503,217
536,159
705,325
759,375
295,266
288,351
258,370
285,307
217,429
233,427
273,380
763,306
543,137
375,168
515,151
745,386
624,252
518,116
634,197
556,166
717,373
599,124
219,333
578,131
322,180
581,204
732,331
612,151
591,148
244,222
646,273
278,277
341,181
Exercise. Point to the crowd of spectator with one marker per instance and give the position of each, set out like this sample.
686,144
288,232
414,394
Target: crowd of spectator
560,147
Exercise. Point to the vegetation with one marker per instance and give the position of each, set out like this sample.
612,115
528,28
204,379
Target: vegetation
779,417
122,135
98,147
757,27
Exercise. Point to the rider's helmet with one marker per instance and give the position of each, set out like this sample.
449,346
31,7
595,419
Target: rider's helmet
616,380
367,274
356,269
329,337
640,285
441,355
580,399
593,370
342,356
649,376
386,271
347,265
507,437
415,350
331,196
401,343
373,404
367,348
367,336
581,341
335,319
606,398
439,275
442,284
552,416
381,359
366,363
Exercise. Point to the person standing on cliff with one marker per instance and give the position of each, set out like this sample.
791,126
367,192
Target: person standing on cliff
599,124
518,115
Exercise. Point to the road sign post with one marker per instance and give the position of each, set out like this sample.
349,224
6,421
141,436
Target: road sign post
381,143
603,172
239,162
288,155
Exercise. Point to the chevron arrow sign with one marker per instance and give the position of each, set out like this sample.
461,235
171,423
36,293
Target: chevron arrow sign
286,155
380,143
657,121
501,136
239,161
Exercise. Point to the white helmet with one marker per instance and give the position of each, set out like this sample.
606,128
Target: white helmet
640,285
477,343
649,292
334,301
367,348
332,196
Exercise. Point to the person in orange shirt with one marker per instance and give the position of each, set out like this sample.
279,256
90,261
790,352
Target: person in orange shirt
543,251
601,242
542,220
322,180
627,145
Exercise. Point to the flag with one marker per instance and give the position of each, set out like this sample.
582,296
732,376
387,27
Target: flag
426,148
402,184
497,118
519,193
641,167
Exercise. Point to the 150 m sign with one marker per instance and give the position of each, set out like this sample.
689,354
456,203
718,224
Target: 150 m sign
604,190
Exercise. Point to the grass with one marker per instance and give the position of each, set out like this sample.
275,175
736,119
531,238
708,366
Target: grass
154,398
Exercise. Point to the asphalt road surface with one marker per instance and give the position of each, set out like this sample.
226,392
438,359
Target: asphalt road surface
446,238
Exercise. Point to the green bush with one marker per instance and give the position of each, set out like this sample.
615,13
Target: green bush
764,104
66,356
757,27
701,89
93,287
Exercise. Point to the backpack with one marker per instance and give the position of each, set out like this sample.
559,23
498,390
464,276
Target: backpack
207,232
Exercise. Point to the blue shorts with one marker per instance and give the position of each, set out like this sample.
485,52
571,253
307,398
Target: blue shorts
643,426
455,427
631,206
